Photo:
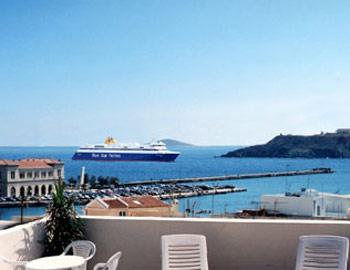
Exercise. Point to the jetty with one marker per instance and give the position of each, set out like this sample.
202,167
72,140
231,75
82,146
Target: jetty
230,177
188,194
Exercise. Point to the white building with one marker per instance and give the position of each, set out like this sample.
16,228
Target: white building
308,203
345,131
29,177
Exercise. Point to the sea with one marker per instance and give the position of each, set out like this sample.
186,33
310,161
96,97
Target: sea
197,161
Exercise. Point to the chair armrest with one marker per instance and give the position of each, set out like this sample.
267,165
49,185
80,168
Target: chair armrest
12,262
18,263
99,266
65,251
89,258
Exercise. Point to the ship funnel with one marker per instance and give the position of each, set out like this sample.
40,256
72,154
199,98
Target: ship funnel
110,140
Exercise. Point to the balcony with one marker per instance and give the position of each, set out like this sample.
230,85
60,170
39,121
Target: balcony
240,244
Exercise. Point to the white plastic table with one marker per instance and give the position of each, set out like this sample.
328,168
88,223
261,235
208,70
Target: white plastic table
55,263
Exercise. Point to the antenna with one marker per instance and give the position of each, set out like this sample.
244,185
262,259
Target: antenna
286,184
225,208
193,205
257,204
188,209
212,204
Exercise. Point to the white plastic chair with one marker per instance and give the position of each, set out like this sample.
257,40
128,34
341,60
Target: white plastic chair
82,248
15,264
184,251
111,264
322,252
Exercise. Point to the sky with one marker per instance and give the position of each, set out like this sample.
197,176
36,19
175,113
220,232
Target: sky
206,72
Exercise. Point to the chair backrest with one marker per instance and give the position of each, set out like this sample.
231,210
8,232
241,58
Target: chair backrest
184,251
82,248
112,263
322,252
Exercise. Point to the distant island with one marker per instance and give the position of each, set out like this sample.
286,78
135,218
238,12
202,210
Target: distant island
324,145
172,142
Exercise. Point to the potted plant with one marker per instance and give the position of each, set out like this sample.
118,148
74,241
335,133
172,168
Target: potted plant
63,224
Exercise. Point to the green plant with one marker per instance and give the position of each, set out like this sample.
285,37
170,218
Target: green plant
114,181
63,224
72,182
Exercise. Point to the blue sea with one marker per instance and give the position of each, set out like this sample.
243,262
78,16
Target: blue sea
199,161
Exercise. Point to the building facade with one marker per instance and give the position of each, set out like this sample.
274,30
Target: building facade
29,177
137,206
308,203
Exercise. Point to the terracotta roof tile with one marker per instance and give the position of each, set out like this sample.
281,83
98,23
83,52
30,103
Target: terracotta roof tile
5,162
30,163
135,202
114,203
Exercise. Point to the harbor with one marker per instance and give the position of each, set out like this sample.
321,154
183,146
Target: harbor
163,189
217,184
164,192
232,177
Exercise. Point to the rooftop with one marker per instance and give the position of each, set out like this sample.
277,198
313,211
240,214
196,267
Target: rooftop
30,163
135,202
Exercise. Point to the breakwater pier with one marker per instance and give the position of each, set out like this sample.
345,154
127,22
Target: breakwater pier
231,177
201,192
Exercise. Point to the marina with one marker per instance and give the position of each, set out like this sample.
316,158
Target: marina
164,192
211,191
194,163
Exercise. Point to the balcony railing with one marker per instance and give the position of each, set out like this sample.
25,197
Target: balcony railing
240,244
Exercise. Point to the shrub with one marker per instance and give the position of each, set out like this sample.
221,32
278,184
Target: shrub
63,224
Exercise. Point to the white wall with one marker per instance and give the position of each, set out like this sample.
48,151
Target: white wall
23,242
297,206
336,206
238,244
232,243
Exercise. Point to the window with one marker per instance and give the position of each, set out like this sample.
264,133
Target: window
122,213
13,175
0,175
36,191
59,173
50,173
21,175
36,174
22,191
43,174
30,174
13,192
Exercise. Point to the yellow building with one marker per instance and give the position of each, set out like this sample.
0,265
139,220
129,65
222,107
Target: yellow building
137,206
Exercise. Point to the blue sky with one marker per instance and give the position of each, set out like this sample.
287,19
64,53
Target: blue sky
207,72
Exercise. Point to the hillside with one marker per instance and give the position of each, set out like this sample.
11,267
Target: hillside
330,145
172,142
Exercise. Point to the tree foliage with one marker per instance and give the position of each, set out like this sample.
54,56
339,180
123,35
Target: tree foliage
63,224
72,182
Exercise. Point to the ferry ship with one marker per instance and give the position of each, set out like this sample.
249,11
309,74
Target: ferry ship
112,151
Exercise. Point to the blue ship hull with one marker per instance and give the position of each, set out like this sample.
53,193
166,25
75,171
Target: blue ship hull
103,156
